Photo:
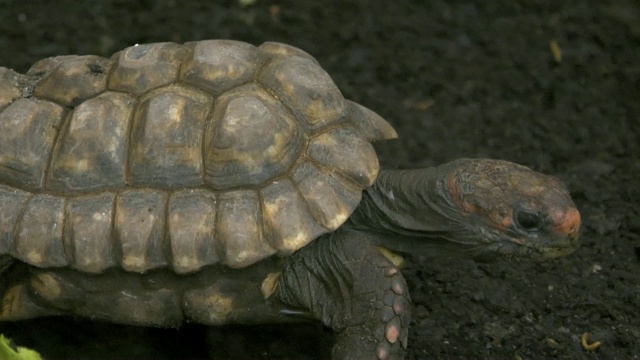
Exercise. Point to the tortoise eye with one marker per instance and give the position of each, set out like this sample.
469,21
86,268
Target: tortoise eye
528,220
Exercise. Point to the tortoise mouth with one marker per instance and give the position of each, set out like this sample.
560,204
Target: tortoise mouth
534,247
480,244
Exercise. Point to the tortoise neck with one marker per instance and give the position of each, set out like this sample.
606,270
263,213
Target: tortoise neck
404,203
410,211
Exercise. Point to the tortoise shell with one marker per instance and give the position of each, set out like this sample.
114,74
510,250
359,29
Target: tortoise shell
180,156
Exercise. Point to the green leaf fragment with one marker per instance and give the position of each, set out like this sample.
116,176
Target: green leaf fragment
9,351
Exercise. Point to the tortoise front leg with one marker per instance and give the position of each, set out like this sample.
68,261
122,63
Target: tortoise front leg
344,281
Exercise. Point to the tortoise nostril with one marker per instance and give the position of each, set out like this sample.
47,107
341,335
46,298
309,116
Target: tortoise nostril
528,220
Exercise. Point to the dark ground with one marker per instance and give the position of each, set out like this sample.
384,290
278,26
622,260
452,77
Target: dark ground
475,79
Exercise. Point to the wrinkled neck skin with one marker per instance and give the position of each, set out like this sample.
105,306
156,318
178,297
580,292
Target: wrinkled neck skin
410,211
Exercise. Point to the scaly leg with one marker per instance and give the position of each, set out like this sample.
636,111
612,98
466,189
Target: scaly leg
344,281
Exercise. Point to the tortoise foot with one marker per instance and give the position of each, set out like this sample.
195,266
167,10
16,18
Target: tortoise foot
349,285
386,326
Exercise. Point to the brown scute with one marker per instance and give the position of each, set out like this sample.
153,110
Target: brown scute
139,227
87,232
192,215
142,68
38,239
10,86
351,155
371,125
305,88
219,65
280,49
239,229
73,79
252,138
287,220
166,138
12,202
28,129
92,149
330,201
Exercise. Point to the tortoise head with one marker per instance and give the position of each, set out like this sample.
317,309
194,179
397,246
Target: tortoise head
504,208
479,208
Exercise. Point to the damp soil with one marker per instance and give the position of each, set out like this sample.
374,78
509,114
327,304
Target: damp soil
456,79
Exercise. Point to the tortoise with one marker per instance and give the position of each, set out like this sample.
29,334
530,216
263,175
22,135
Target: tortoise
218,182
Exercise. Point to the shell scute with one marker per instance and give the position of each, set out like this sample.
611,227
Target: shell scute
280,49
88,232
287,221
166,138
92,149
251,139
328,199
371,125
192,223
28,129
12,202
220,65
347,152
139,229
10,86
39,238
239,230
306,88
142,68
72,79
